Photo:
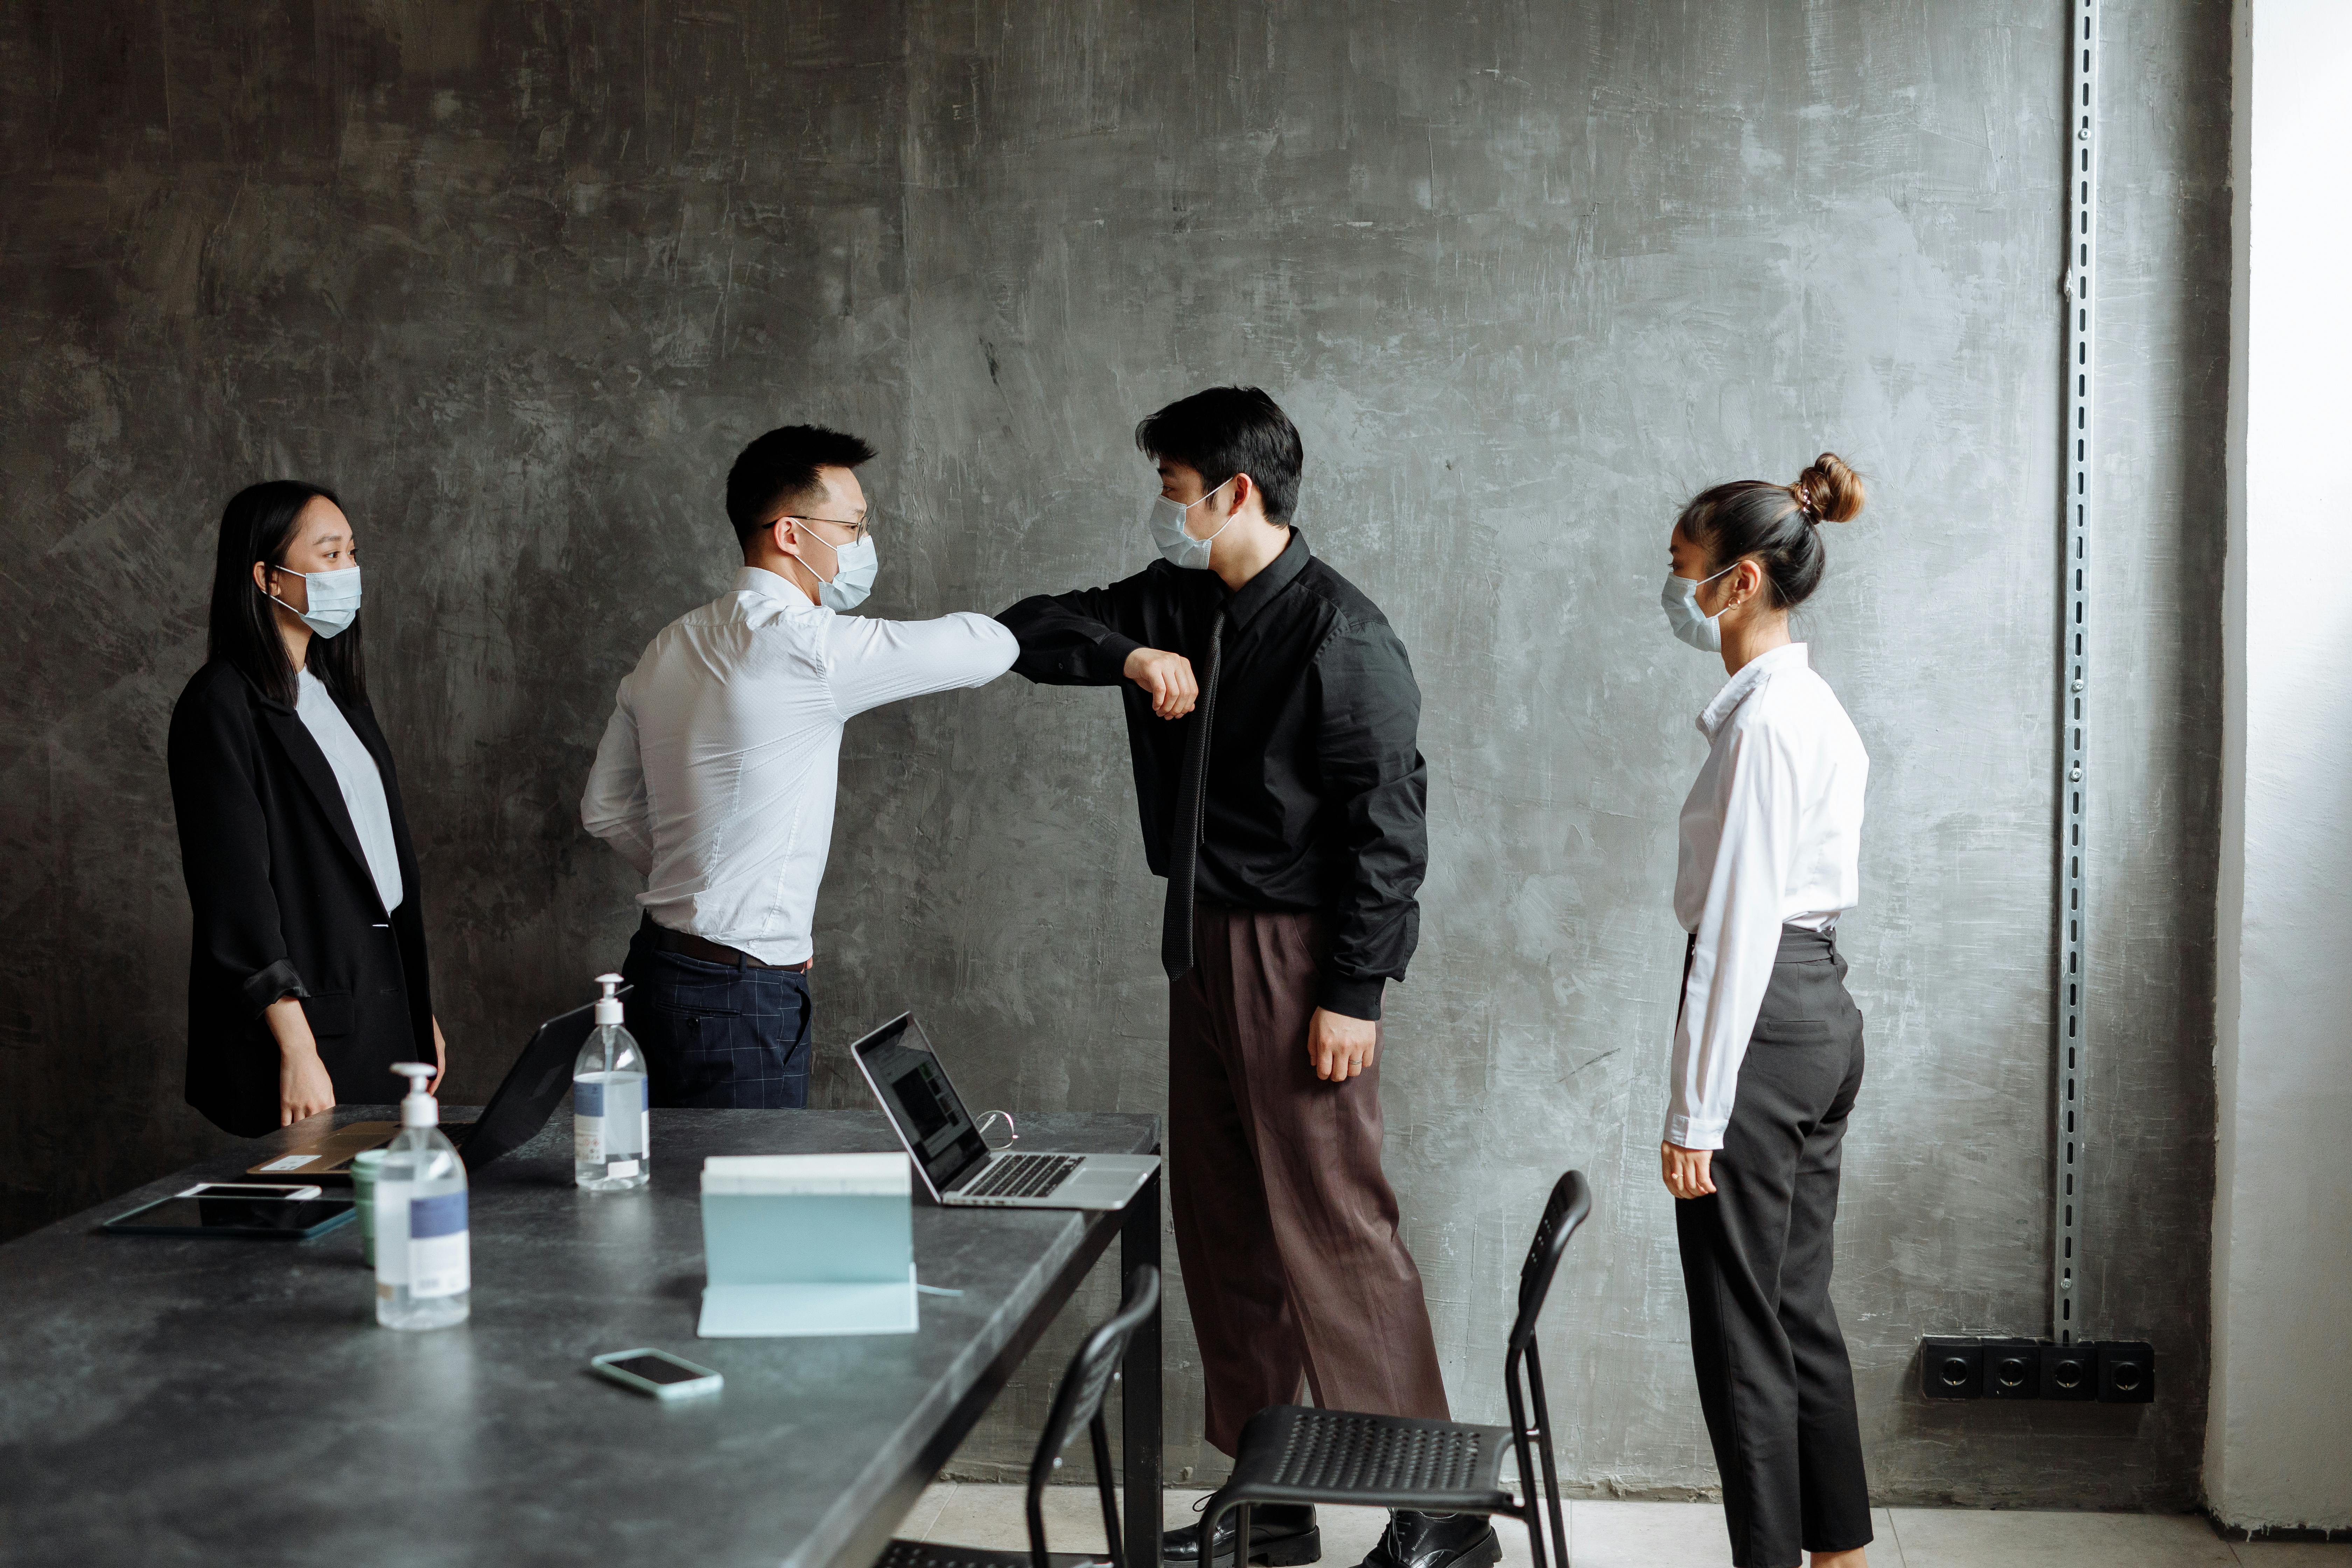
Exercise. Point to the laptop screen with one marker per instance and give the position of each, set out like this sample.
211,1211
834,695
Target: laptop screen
534,1086
916,1096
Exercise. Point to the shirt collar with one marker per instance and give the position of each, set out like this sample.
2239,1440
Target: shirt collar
1718,714
768,585
1260,590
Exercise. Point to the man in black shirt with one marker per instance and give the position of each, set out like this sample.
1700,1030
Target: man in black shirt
1271,712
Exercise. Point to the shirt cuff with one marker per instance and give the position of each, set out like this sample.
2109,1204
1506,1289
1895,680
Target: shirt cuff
1357,998
1695,1131
1108,660
266,986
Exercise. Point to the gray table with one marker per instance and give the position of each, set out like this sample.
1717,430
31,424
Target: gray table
168,1401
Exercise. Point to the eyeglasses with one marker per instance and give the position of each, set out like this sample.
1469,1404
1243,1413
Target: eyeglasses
857,531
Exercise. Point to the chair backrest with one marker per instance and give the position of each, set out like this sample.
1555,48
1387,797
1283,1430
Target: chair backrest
1079,1404
1570,1203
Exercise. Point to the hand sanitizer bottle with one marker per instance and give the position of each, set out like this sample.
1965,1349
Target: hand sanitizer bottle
609,1115
423,1276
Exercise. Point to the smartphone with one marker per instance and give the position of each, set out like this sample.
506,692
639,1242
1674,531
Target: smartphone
657,1373
287,1192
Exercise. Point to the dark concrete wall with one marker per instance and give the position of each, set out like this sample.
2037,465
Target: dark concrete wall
518,280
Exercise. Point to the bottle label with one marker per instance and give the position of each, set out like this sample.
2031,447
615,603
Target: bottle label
624,1118
587,1120
392,1207
438,1254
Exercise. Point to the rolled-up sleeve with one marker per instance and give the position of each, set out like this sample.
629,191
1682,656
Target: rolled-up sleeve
1374,780
1738,940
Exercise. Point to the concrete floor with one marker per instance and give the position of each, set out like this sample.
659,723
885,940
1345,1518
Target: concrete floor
1680,1535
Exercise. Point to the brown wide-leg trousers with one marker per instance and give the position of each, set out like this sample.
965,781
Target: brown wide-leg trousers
1286,1226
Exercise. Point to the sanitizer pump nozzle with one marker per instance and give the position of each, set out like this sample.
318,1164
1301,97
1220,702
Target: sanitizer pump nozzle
418,1109
608,1005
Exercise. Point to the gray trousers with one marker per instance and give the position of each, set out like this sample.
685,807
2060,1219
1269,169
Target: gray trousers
1773,1378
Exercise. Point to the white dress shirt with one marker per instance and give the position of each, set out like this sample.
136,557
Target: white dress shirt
356,775
716,772
1771,835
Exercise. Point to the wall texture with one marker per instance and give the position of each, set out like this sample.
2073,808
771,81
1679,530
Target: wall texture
2279,1446
519,279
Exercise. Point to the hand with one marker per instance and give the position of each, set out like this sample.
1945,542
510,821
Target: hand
303,1086
1167,678
1340,1046
1687,1171
440,1059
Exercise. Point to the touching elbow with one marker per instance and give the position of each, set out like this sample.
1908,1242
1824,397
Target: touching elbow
998,650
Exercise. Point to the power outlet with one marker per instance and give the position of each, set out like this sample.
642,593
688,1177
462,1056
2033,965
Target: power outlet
2069,1372
1951,1368
2012,1369
2126,1373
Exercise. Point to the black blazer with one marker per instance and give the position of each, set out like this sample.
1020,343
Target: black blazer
284,904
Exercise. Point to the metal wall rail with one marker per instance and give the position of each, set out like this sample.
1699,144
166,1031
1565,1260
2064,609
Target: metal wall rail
2072,1055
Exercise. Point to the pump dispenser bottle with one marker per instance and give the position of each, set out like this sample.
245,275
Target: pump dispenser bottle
423,1276
609,1115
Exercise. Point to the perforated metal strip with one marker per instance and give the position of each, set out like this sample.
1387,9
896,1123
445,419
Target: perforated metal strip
2074,675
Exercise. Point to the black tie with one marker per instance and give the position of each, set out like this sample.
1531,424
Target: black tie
1184,836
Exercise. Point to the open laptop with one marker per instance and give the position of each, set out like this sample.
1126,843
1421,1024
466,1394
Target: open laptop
959,1168
532,1089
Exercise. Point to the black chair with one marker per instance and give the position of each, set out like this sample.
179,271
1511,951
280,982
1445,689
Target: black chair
1297,1454
1077,1402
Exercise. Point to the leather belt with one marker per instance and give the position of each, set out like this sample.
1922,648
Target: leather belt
710,952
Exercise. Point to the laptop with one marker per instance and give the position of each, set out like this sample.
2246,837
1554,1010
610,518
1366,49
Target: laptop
959,1168
529,1095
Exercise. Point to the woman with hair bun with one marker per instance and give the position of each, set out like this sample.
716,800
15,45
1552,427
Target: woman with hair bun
1767,1044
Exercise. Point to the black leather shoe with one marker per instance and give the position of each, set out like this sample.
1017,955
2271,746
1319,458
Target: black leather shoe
1435,1540
1282,1535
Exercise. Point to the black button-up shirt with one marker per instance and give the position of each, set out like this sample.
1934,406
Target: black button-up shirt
1316,789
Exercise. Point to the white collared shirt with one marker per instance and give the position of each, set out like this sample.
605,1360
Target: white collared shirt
360,780
1771,835
716,772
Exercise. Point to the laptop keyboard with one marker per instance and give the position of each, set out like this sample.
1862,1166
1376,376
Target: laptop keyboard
1022,1176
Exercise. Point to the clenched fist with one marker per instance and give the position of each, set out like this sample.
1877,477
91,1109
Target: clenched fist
1166,678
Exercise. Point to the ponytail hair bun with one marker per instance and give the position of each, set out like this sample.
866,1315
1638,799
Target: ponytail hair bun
1828,490
1775,523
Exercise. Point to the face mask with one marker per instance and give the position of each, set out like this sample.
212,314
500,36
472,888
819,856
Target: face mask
1177,547
854,566
1685,619
334,599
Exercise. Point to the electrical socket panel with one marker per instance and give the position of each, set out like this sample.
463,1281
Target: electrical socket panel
1963,1366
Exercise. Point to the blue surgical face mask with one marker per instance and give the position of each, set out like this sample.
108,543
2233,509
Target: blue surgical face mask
333,597
1687,621
854,566
1177,546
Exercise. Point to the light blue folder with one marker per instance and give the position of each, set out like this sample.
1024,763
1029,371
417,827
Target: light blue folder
807,1244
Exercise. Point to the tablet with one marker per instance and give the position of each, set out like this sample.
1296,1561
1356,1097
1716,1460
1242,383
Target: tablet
276,1219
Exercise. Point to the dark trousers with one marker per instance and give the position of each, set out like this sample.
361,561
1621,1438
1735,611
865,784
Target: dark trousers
718,1034
1286,1225
1772,1373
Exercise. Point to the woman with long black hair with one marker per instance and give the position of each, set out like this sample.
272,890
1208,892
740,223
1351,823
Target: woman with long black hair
1767,1044
308,977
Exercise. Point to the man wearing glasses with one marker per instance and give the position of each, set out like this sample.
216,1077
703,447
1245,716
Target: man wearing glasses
715,777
